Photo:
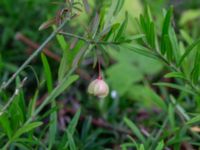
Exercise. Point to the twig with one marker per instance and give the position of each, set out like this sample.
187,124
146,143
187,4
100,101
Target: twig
33,45
57,58
75,36
53,34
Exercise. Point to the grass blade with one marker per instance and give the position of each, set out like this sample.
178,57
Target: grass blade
135,129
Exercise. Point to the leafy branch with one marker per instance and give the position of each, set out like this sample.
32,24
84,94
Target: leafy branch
35,54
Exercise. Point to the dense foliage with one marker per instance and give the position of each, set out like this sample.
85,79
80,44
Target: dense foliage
146,52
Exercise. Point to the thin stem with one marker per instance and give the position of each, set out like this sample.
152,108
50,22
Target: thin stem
74,36
99,69
53,34
87,40
12,97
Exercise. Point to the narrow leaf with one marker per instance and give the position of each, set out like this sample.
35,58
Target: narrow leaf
165,29
160,146
194,120
47,24
175,75
72,125
135,129
47,72
122,28
188,51
175,86
26,128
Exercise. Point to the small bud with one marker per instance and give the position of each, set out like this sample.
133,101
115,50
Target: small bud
98,88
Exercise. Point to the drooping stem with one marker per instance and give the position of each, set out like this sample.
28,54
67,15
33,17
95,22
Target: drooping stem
53,34
99,69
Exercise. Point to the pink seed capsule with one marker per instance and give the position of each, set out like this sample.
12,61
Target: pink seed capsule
98,87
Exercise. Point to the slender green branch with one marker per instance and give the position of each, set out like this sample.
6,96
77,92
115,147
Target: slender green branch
174,68
74,36
6,84
86,40
12,97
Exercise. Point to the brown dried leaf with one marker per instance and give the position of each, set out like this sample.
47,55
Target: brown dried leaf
47,24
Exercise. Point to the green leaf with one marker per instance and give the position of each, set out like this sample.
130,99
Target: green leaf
53,116
143,25
17,116
175,75
63,67
72,145
32,104
73,123
152,35
193,120
21,146
141,147
71,129
66,82
168,48
135,129
26,128
167,20
80,55
63,86
156,99
53,125
174,44
165,29
160,146
189,16
125,70
140,50
175,86
148,13
122,28
61,40
179,108
86,127
5,124
95,25
186,37
171,115
119,5
47,72
188,50
20,98
196,69
114,9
